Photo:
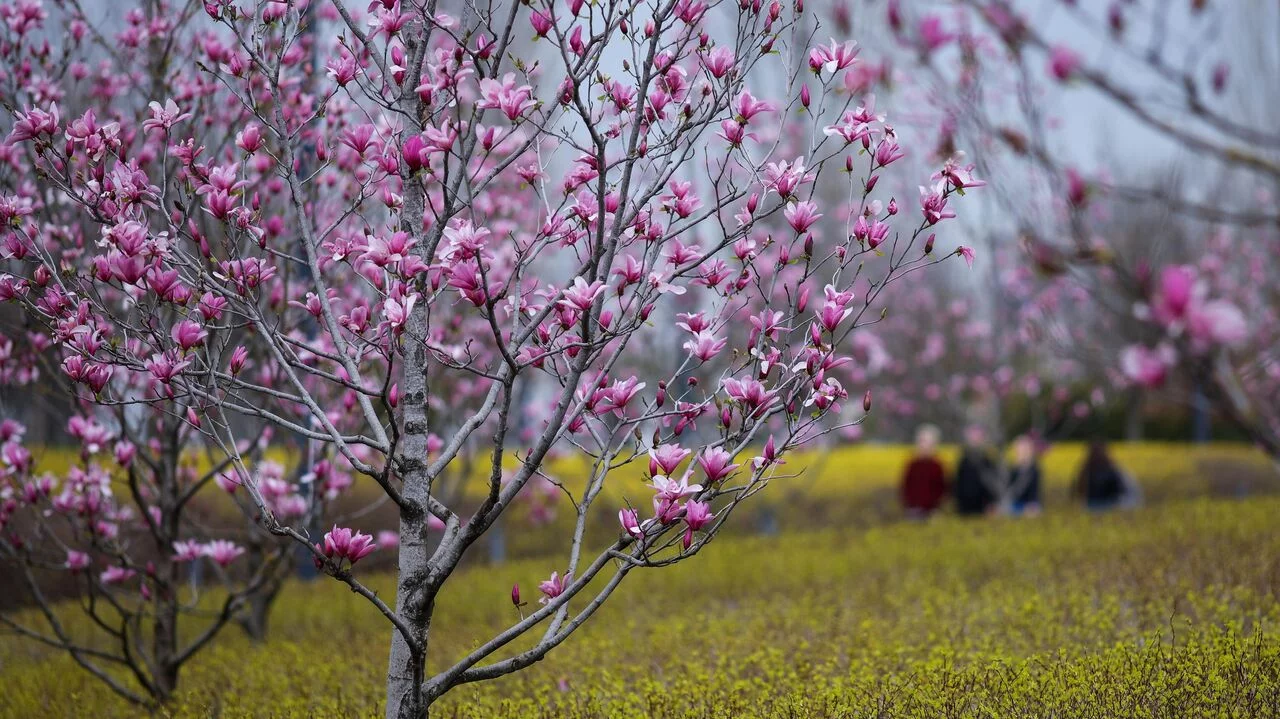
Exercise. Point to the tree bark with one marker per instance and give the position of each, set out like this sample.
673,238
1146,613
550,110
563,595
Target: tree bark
406,665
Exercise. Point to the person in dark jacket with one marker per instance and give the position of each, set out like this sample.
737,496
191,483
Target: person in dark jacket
1024,478
974,475
924,483
1100,483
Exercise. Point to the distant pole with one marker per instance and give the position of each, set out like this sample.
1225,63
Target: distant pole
1200,421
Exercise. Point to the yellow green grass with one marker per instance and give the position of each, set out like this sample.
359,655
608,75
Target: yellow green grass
1170,611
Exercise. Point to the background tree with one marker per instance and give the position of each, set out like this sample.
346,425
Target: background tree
444,252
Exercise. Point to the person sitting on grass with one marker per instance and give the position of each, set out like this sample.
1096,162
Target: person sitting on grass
1024,478
924,483
974,475
1102,485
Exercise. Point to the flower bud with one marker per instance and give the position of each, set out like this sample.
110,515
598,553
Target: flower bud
928,244
866,401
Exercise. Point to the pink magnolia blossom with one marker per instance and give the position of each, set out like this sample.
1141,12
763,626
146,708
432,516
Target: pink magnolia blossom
553,587
77,561
671,489
833,57
224,552
343,543
116,575
696,516
1147,367
1063,62
717,464
187,551
801,216
630,522
664,459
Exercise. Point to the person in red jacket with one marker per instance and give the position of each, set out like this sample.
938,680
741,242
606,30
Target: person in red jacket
924,483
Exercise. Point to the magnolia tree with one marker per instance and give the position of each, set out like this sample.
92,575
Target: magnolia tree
1164,73
444,249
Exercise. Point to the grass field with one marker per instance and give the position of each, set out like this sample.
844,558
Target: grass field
1170,611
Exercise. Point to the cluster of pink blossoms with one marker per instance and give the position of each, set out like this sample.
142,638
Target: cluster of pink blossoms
1191,322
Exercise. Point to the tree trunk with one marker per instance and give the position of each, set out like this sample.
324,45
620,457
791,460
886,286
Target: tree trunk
256,622
1133,416
406,666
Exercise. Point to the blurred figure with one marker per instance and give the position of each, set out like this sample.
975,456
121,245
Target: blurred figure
1024,478
925,481
974,474
1101,484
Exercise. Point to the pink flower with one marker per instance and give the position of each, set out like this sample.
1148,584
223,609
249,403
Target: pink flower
750,393
581,295
888,152
1146,367
704,346
871,233
746,106
553,587
784,177
342,69
665,458
719,61
1063,62
164,117
187,551
630,522
932,34
1077,187
1178,289
188,334
717,463
77,561
621,394
1218,322
832,58
239,357
666,510
696,516
801,216
933,204
511,100
342,543
541,23
397,311
116,575
768,456
33,123
125,451
387,539
224,552
249,139
967,253
226,482
415,153
668,488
